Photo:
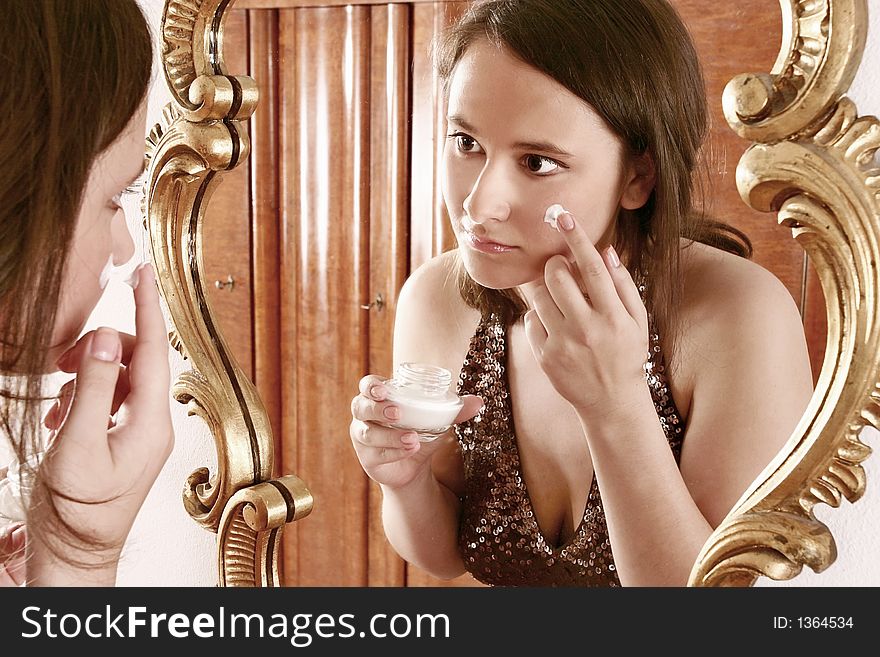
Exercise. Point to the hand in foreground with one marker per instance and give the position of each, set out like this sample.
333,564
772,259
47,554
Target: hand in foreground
393,457
112,429
589,328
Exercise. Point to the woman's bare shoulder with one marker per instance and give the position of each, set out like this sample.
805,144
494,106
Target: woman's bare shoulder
732,307
431,292
743,370
717,281
432,321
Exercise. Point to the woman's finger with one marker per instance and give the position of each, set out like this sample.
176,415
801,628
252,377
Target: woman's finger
368,410
12,555
148,373
563,287
374,435
472,405
95,386
58,412
69,360
626,287
536,334
11,539
123,388
372,386
386,455
546,309
591,267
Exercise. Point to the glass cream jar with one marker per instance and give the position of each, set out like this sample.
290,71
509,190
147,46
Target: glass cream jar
423,395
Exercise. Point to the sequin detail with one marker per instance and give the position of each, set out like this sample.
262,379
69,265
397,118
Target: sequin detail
499,537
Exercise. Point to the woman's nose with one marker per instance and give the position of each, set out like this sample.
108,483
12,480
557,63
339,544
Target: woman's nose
488,200
123,244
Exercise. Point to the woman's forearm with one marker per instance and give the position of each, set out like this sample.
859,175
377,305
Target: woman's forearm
655,527
421,522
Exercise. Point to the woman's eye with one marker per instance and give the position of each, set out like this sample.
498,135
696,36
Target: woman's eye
540,165
136,187
466,144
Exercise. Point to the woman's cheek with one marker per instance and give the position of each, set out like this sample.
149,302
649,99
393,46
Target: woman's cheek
80,292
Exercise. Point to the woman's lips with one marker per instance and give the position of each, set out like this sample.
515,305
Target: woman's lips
484,245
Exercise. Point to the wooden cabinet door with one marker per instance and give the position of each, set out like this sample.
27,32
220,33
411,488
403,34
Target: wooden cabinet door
340,200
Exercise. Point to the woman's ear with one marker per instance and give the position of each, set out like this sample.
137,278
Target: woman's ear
639,182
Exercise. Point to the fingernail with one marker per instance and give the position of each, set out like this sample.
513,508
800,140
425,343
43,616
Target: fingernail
50,421
565,221
106,345
377,392
391,413
409,439
10,529
63,359
148,274
613,257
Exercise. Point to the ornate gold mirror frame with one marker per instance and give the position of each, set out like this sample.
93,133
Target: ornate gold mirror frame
812,163
199,138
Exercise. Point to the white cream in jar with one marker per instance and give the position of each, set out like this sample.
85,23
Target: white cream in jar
423,395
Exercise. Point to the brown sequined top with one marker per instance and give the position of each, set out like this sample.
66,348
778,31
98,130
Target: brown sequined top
499,537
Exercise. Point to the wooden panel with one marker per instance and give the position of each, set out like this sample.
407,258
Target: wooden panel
291,4
815,320
226,229
263,50
430,232
324,159
736,38
288,271
388,233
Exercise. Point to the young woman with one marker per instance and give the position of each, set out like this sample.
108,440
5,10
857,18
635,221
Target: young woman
72,95
576,460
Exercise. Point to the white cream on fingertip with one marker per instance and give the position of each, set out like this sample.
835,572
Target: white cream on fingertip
126,273
551,216
132,279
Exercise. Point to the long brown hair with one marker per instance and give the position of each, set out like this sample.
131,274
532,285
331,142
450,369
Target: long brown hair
634,63
72,76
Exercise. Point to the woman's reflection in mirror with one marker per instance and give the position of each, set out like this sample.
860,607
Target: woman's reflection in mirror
577,460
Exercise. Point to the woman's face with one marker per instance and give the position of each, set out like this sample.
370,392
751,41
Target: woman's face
101,233
518,142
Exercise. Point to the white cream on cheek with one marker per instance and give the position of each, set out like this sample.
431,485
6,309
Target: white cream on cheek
551,216
104,278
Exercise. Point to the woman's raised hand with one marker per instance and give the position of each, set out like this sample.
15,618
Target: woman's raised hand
589,328
392,457
111,430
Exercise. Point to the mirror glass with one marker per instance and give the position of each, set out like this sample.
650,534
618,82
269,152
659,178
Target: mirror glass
308,243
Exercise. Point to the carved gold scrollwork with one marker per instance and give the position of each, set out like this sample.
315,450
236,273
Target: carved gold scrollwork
822,45
814,165
251,525
198,139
